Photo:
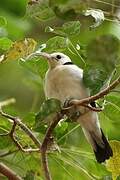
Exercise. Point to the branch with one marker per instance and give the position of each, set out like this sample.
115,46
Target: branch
96,109
7,102
31,2
45,143
18,122
12,135
6,171
98,95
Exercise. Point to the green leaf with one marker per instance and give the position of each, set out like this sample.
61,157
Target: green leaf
37,66
22,163
30,176
5,142
57,43
118,178
69,9
113,164
104,51
97,14
49,107
112,108
40,11
111,115
68,29
61,130
3,21
95,78
29,119
5,43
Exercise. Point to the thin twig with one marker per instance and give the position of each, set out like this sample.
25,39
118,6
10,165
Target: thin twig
6,171
23,127
4,134
31,2
107,3
7,102
96,109
97,96
45,145
12,135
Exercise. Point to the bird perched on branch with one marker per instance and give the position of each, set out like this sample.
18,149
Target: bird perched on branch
64,81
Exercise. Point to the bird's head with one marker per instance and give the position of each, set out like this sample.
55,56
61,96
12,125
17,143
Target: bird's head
56,59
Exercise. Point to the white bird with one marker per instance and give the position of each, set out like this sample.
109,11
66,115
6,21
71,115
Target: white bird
64,81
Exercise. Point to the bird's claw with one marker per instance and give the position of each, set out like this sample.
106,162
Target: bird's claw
67,103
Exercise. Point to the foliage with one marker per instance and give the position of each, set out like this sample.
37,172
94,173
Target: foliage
67,27
113,163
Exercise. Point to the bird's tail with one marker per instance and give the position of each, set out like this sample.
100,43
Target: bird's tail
101,146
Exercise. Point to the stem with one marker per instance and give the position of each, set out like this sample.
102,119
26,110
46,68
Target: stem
45,145
18,122
6,171
77,52
98,95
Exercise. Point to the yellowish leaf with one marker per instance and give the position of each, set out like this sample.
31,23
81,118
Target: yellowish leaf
113,164
20,49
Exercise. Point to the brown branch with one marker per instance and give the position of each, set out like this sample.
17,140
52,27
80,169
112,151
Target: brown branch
12,135
18,122
45,143
99,95
96,109
20,147
31,2
6,171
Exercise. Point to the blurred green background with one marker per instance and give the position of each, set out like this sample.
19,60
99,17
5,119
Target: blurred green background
27,89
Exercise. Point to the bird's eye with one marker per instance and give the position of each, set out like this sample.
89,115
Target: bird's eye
58,57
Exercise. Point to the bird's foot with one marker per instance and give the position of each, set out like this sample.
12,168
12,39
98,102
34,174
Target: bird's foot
67,103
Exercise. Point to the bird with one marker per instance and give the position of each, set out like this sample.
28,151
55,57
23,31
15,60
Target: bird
64,81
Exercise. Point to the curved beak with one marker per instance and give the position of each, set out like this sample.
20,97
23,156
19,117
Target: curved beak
45,55
37,54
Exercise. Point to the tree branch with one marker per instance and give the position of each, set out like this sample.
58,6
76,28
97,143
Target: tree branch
99,95
45,143
18,122
12,135
96,109
6,171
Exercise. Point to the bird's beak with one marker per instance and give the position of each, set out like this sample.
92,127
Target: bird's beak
37,54
45,55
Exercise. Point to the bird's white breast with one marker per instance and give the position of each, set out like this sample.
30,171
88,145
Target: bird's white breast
64,82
